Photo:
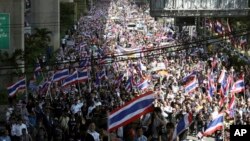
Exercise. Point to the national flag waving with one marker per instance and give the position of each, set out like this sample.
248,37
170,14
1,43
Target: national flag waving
59,75
128,84
118,80
183,124
215,125
211,86
82,75
143,85
13,89
84,63
191,86
189,76
71,79
238,86
102,74
222,76
131,111
37,71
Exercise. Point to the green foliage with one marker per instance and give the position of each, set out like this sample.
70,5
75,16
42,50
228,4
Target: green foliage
36,44
67,12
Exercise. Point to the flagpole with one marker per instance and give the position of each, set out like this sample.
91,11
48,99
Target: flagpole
26,89
223,131
48,90
244,91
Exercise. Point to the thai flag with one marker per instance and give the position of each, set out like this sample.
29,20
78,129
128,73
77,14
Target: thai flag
189,76
183,124
232,102
223,80
222,76
84,63
214,125
37,71
131,111
21,84
102,74
82,75
231,106
229,83
238,86
44,86
211,86
59,75
143,85
210,93
70,79
128,84
119,80
191,86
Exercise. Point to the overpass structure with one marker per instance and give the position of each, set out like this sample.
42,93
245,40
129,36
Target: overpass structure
199,8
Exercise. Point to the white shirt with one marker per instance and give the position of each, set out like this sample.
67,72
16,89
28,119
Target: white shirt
75,108
95,135
16,129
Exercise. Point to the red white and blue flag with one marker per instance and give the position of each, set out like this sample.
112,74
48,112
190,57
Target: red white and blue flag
128,84
143,85
191,86
59,75
84,63
37,71
71,79
222,76
131,111
214,125
211,86
82,75
238,86
189,76
102,74
13,89
231,106
183,124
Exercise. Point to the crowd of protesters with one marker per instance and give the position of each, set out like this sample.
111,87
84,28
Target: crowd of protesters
79,111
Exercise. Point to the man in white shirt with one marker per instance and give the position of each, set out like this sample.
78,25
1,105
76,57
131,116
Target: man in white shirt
76,107
17,128
91,131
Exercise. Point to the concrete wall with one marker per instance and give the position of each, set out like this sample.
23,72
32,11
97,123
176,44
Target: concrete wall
46,14
16,10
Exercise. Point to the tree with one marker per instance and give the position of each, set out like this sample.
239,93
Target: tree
36,45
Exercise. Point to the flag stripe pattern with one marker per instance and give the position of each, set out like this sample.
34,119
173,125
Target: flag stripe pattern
183,124
214,125
82,75
17,86
60,75
191,86
70,79
238,86
131,111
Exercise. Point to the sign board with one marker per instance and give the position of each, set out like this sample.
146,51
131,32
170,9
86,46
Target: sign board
4,31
